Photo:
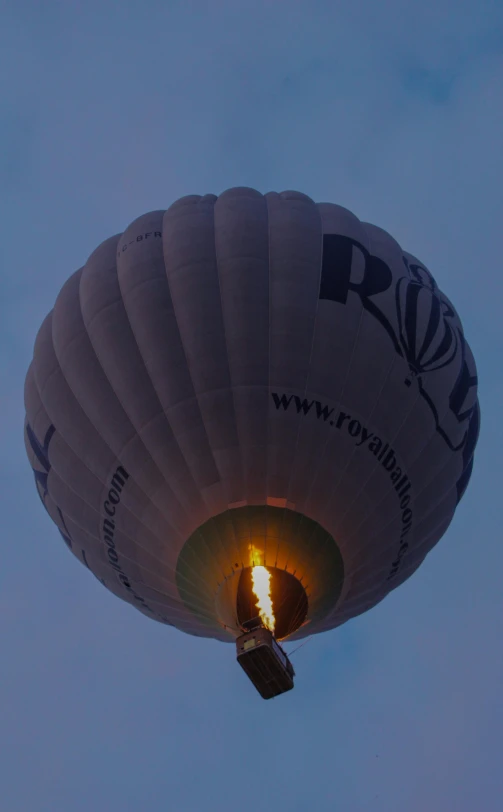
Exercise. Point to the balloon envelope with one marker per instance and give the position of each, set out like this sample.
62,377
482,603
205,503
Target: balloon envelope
251,380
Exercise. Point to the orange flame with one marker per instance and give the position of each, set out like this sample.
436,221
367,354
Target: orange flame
261,582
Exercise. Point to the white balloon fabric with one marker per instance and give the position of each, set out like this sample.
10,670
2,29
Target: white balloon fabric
251,379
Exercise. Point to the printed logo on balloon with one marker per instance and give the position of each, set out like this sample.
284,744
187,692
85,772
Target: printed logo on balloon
427,344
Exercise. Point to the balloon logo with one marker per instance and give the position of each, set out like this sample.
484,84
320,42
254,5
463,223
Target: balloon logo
429,341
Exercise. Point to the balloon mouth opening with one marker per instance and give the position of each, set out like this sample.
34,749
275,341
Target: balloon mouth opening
272,597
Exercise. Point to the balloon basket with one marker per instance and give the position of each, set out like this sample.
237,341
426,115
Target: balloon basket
264,662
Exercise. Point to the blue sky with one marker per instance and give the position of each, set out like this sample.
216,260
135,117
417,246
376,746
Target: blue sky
109,109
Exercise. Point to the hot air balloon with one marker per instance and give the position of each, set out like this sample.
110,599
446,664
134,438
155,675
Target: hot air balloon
251,417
